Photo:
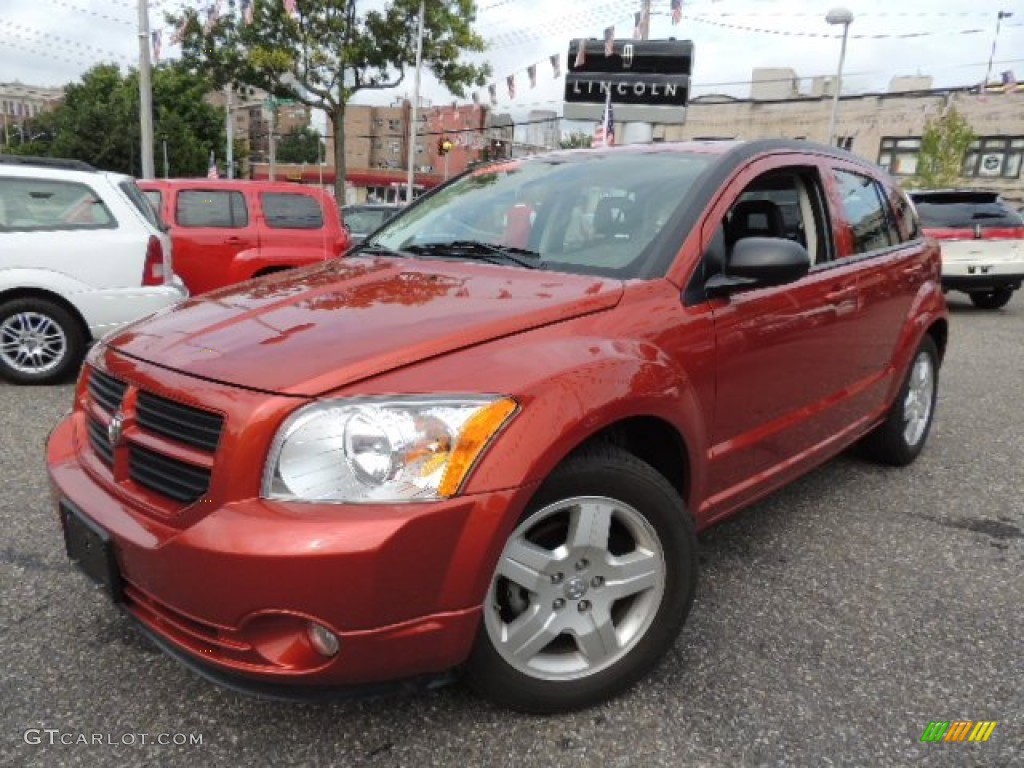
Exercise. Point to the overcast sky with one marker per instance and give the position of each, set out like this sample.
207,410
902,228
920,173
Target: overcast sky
51,42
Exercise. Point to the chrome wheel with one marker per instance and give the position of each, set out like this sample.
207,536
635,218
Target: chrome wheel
917,406
32,343
578,584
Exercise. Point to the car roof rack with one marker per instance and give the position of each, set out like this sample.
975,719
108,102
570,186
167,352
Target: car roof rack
46,162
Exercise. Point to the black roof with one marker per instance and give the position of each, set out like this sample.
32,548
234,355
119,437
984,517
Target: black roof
46,162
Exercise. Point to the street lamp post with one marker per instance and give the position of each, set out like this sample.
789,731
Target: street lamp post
991,57
844,17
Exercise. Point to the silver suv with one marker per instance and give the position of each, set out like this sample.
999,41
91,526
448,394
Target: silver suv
82,253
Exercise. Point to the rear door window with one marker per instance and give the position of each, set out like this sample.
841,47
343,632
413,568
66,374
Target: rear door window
37,204
870,221
224,209
288,210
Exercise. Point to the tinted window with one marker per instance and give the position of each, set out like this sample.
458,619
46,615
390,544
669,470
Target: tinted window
965,210
36,204
211,208
155,197
863,205
284,210
364,221
141,203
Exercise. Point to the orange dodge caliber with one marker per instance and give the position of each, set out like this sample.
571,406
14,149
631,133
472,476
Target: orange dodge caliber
484,443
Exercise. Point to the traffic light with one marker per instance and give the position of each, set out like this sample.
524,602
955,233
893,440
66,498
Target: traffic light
444,145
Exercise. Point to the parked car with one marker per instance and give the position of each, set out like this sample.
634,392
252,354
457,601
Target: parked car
445,452
229,230
365,218
81,255
982,242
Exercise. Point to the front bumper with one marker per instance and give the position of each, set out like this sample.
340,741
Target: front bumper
400,585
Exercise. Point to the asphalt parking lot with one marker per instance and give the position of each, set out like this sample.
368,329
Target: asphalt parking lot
833,622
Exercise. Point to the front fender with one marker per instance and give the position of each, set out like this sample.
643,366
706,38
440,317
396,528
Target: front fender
598,382
929,307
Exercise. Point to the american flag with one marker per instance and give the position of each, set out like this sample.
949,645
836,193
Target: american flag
212,172
246,7
609,41
677,11
604,134
289,5
510,81
155,37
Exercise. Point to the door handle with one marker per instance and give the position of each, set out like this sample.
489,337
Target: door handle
913,270
233,239
841,295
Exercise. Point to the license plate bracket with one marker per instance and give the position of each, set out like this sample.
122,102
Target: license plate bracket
92,550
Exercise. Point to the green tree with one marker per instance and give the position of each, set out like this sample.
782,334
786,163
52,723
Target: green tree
98,122
330,50
300,146
576,140
944,144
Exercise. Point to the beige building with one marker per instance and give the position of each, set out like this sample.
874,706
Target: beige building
885,128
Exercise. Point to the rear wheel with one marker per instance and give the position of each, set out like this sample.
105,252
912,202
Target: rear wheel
40,342
901,437
994,299
591,589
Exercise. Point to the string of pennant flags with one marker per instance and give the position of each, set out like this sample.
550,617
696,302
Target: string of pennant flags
641,20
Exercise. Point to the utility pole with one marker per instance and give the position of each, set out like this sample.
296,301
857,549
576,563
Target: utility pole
413,113
229,126
988,72
145,93
645,20
273,128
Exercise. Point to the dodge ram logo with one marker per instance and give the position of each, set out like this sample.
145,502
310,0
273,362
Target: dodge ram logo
115,429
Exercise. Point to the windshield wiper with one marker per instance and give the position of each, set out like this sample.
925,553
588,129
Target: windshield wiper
375,248
495,254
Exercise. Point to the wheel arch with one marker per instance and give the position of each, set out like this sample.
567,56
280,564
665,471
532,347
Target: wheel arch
12,294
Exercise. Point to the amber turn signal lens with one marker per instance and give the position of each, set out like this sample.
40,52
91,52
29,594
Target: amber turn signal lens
474,437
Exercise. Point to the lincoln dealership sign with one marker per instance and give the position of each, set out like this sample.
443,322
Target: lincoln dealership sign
649,80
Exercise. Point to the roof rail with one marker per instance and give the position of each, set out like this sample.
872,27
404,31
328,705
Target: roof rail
46,162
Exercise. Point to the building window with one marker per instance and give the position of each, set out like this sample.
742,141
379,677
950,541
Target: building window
899,156
845,142
995,157
395,147
394,125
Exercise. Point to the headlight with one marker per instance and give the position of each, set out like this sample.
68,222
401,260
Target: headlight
381,450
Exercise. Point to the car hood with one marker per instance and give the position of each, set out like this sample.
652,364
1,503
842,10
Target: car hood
306,332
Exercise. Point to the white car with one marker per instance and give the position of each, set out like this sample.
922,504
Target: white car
982,241
82,253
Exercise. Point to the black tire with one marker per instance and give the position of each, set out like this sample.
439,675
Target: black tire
889,443
997,298
61,334
645,623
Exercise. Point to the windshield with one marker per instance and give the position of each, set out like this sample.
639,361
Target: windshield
587,213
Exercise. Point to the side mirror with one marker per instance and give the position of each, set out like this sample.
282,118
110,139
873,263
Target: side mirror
758,262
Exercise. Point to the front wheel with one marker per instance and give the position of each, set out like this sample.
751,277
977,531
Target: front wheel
591,589
997,298
901,437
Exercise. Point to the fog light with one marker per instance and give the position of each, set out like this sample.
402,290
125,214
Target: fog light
322,639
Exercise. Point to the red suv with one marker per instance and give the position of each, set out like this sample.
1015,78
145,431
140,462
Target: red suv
225,231
446,451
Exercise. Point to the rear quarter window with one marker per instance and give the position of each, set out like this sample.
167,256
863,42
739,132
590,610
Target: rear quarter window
219,208
141,202
291,210
36,204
